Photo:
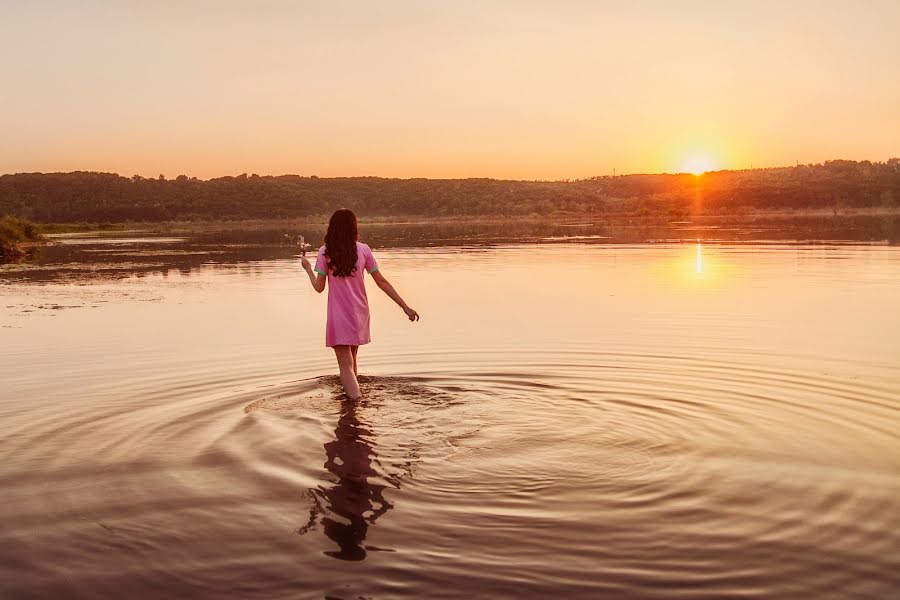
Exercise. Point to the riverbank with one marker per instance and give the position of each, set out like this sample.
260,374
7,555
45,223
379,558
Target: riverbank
17,235
621,219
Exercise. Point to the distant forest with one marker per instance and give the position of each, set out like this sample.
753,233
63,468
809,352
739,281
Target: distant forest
105,197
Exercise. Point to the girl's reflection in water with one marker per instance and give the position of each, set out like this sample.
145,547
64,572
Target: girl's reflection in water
354,502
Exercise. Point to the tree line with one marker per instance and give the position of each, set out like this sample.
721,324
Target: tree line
107,197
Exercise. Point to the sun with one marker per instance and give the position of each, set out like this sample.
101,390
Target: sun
697,165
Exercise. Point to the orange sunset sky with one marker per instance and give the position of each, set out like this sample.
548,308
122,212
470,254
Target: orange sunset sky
506,89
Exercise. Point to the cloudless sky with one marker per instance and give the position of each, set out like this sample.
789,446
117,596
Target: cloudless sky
415,88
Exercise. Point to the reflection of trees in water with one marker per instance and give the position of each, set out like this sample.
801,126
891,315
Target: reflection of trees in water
354,502
92,260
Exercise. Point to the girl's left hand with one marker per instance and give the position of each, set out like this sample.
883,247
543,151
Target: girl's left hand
305,264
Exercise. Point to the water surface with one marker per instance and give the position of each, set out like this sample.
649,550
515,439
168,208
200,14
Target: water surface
581,417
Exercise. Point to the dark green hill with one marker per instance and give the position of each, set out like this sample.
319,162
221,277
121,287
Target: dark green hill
98,197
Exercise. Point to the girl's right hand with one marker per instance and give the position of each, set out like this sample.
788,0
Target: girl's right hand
413,315
305,264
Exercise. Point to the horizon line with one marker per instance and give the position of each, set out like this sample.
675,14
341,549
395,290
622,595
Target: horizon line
164,177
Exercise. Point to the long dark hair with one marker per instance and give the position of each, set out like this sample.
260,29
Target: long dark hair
340,243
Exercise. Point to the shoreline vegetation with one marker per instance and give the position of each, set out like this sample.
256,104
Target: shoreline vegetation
16,235
743,217
96,201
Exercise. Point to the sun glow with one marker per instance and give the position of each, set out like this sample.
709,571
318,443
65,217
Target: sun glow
697,165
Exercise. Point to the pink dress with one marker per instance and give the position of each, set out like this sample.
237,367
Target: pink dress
348,306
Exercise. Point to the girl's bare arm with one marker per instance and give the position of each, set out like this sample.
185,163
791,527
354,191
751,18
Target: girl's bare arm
388,289
316,279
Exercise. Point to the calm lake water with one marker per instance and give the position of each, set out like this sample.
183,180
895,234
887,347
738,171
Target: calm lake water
578,414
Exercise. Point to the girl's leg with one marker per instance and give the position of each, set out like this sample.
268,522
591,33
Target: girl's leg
348,375
354,350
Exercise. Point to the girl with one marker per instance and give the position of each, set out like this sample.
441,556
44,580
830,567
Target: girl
341,262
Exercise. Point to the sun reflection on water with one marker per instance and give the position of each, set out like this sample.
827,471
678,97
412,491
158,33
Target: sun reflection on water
697,267
699,257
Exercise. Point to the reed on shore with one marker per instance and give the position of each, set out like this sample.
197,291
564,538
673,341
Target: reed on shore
14,233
